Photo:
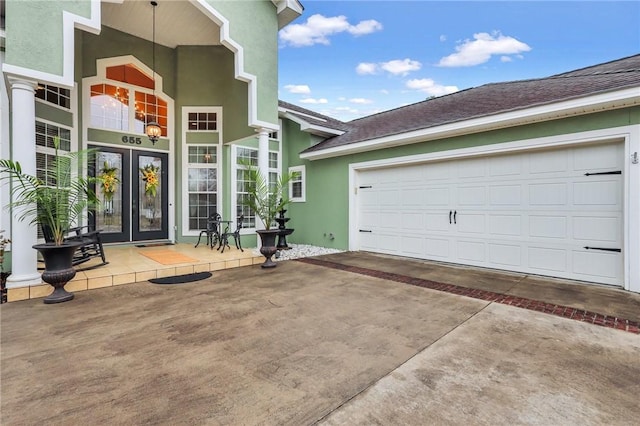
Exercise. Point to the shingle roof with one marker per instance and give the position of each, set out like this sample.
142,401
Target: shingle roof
313,117
490,99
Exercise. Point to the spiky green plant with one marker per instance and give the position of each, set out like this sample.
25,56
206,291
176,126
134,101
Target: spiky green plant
57,202
266,199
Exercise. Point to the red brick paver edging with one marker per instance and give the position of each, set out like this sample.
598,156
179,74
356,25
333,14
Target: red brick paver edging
490,296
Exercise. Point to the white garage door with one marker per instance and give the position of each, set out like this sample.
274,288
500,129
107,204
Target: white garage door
555,212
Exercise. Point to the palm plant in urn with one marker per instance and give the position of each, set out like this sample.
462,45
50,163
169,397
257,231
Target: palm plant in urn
265,199
56,202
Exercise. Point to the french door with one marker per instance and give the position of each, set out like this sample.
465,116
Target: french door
133,194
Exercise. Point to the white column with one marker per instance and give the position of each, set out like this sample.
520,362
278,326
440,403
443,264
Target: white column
263,159
24,262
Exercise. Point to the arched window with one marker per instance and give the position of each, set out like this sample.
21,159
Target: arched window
111,103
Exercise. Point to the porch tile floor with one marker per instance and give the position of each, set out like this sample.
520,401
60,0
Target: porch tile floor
128,265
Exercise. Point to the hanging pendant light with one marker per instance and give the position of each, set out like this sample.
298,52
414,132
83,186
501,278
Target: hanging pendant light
153,129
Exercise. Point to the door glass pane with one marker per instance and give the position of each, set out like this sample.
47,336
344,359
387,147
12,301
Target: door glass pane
109,192
151,193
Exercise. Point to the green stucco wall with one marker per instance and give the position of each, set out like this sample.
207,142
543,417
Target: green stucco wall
326,209
254,25
34,32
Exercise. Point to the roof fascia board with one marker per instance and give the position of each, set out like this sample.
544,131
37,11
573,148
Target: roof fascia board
606,101
305,126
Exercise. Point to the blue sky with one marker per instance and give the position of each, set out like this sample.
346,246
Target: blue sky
348,59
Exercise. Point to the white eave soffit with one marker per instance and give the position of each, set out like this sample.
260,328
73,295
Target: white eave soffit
597,103
288,10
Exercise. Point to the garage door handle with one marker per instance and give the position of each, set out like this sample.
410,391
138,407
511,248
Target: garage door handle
450,212
365,230
455,213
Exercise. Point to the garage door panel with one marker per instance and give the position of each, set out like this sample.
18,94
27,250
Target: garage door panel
502,224
594,263
389,198
597,157
470,223
437,221
473,251
505,254
437,172
597,229
412,246
547,226
412,197
389,243
548,259
412,222
471,196
548,194
541,163
471,168
505,166
505,195
438,248
437,197
531,212
596,193
389,221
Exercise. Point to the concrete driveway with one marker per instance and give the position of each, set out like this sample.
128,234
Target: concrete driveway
305,344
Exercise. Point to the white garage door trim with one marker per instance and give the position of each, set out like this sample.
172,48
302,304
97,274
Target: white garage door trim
629,135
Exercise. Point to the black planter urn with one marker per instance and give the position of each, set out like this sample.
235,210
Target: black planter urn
58,269
268,249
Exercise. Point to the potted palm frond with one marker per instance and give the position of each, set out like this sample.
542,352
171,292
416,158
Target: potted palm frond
55,202
266,199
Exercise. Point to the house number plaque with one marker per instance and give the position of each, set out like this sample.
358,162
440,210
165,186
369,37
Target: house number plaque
137,140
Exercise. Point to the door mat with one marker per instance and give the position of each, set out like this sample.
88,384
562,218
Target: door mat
179,279
153,245
167,257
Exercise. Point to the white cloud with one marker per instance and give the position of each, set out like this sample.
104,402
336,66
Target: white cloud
481,48
401,66
361,101
443,37
298,88
365,68
319,28
314,101
365,27
430,87
384,91
505,59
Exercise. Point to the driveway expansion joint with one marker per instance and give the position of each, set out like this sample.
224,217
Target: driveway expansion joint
490,296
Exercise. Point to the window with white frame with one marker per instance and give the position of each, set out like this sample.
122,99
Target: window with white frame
244,159
297,184
202,184
45,149
54,95
46,152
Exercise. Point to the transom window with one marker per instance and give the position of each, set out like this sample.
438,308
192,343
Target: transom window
203,121
54,95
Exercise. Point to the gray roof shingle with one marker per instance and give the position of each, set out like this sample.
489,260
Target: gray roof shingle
490,99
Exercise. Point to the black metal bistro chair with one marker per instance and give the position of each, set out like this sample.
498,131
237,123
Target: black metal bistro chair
212,231
224,239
